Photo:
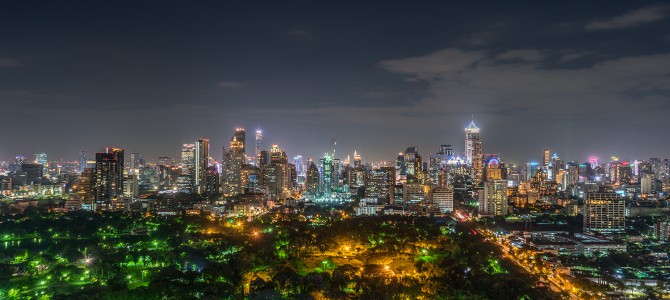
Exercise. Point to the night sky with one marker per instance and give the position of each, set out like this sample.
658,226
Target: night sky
580,78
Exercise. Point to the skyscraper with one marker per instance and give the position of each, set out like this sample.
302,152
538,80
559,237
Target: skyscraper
188,159
108,177
277,172
233,159
240,137
41,158
82,161
259,146
473,152
327,176
312,179
201,164
545,158
604,212
357,159
136,160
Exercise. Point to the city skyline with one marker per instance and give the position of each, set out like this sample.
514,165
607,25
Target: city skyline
459,149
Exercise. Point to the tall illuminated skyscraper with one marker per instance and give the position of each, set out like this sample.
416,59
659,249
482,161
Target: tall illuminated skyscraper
240,137
201,164
188,159
473,152
259,146
545,158
233,159
82,161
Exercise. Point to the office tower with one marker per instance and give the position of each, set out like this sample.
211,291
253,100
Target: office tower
357,160
130,185
213,185
259,146
166,178
41,159
184,183
545,158
188,159
312,179
438,165
444,198
201,164
400,171
378,183
413,166
136,160
233,160
493,198
327,175
82,161
571,176
337,171
108,177
473,152
604,212
86,187
494,169
277,172
646,183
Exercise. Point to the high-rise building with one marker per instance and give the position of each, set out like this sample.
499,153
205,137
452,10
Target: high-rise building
413,165
473,152
259,146
646,183
604,212
438,166
327,175
213,185
545,158
357,160
41,159
188,159
378,183
233,160
493,198
130,186
277,172
136,160
108,177
201,164
82,161
494,169
312,180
